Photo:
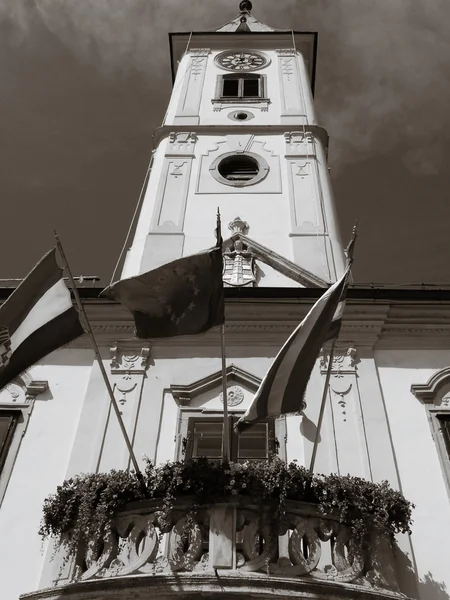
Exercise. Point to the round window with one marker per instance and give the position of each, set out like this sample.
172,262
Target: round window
241,115
239,169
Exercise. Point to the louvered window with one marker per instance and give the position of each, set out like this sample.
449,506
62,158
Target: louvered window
238,168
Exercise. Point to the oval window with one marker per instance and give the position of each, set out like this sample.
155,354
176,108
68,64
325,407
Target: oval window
238,168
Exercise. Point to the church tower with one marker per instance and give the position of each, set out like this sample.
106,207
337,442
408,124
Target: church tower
241,134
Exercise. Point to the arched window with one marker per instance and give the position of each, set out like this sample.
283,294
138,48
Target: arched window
435,394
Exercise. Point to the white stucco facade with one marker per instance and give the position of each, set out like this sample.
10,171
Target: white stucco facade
380,408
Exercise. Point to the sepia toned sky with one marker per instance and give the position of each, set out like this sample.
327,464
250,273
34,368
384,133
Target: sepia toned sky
83,84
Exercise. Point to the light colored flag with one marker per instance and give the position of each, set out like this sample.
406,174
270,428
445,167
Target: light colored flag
36,319
282,389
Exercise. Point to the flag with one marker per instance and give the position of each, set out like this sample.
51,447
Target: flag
282,389
349,251
183,297
36,319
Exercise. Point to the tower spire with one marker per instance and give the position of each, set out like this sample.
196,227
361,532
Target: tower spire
245,22
245,6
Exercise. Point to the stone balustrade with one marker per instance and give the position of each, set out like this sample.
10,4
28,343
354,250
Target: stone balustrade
238,537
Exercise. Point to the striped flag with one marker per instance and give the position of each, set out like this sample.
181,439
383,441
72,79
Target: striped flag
36,319
282,389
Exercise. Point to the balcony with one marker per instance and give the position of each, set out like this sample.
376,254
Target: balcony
237,547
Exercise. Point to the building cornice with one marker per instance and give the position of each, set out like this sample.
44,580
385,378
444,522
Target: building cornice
259,317
269,321
239,128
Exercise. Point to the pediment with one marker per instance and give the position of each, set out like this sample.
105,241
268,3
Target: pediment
272,259
436,389
184,394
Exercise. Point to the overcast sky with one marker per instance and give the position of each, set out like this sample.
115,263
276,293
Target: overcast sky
83,84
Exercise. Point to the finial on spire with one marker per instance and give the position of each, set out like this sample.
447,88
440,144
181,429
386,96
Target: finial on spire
245,6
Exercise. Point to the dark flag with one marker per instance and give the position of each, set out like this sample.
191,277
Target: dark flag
183,297
36,319
282,389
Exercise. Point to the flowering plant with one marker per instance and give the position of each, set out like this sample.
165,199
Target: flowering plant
84,507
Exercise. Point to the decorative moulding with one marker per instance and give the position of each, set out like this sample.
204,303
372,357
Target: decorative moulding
344,362
239,263
263,169
300,144
200,51
276,261
286,52
23,389
427,392
129,362
237,225
183,394
235,395
181,143
164,131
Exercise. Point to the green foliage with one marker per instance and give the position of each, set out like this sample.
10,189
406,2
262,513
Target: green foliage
83,507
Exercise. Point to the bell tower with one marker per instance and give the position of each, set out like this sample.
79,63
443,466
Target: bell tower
241,134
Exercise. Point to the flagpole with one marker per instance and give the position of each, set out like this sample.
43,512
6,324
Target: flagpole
322,406
226,428
101,365
349,256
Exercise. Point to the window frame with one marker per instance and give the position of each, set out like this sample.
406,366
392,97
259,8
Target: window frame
240,98
435,396
188,418
435,417
5,444
23,412
264,170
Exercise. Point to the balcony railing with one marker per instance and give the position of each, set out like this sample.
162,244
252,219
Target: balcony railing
237,537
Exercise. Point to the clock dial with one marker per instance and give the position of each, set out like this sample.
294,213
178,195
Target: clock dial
242,61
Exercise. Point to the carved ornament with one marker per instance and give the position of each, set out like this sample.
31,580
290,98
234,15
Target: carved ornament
130,363
286,52
299,143
237,225
239,266
344,362
235,395
181,143
23,390
200,51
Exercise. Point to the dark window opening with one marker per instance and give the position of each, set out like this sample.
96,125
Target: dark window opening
240,86
8,422
444,421
238,168
205,439
251,88
230,88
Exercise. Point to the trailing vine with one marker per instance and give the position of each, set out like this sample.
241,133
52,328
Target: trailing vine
83,507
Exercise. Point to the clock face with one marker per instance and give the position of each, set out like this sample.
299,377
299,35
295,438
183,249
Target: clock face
244,60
